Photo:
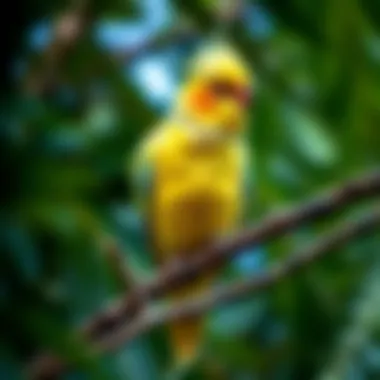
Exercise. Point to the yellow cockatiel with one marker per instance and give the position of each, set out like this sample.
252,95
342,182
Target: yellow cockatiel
190,171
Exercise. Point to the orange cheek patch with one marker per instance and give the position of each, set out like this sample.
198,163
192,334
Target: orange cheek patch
202,101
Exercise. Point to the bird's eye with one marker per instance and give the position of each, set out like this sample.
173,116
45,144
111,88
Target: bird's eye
222,88
226,89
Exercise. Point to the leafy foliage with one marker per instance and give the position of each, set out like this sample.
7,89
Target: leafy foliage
315,121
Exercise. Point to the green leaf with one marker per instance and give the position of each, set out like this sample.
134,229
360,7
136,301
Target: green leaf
310,137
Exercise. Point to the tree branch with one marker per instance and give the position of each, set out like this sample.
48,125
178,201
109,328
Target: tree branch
104,325
291,266
181,273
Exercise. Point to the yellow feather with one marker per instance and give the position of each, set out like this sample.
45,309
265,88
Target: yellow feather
196,199
196,194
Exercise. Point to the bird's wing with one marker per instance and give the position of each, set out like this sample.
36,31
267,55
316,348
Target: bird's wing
142,179
143,174
143,169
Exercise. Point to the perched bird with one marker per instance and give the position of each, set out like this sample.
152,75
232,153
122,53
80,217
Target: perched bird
191,172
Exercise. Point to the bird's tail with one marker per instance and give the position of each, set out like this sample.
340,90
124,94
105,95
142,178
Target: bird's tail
185,336
186,333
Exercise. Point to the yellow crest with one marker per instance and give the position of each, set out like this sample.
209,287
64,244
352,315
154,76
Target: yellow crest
220,60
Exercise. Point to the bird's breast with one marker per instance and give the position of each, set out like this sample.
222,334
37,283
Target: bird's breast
197,187
195,201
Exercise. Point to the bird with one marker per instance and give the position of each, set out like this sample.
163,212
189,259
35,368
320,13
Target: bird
191,173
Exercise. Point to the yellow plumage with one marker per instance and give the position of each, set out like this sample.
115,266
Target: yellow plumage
196,164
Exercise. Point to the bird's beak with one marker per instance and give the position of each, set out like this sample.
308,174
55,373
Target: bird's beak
244,97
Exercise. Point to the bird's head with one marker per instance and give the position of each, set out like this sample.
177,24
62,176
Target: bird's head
217,92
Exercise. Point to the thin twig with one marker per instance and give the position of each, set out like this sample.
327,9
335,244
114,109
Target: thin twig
103,325
69,28
117,261
122,271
